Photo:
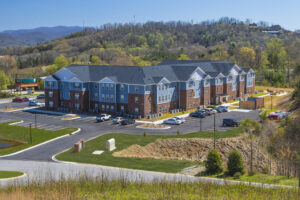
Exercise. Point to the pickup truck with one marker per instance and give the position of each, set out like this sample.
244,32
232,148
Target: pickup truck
103,117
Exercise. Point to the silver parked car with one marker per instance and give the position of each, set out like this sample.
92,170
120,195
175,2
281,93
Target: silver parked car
181,119
172,121
117,120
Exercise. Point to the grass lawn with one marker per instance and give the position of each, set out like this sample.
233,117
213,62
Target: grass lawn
169,115
22,135
125,140
258,94
265,178
10,174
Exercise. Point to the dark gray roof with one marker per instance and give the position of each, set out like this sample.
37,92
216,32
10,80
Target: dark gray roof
175,70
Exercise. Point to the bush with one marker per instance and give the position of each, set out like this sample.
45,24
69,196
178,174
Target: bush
265,170
213,164
252,173
5,95
178,132
237,175
235,163
145,134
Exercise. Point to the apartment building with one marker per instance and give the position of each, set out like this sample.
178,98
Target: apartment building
144,91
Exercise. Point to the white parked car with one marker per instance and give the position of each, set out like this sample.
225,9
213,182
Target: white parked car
103,117
180,119
117,120
172,121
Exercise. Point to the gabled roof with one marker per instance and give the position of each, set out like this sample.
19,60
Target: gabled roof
173,71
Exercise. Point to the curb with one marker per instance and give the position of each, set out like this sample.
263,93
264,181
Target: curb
12,154
14,123
168,127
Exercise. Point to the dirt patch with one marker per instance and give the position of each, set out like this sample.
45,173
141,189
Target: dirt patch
196,149
152,126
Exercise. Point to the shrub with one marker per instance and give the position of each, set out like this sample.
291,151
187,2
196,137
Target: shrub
252,173
178,132
145,134
265,170
237,175
213,164
235,163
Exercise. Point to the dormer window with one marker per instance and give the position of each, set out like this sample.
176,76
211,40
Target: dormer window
76,85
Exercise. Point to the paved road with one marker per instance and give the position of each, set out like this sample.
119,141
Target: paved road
90,129
43,171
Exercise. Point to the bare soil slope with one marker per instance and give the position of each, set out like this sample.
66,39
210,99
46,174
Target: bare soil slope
196,149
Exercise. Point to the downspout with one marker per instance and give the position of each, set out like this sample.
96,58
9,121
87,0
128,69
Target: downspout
179,95
144,101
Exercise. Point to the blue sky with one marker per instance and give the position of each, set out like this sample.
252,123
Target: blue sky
24,14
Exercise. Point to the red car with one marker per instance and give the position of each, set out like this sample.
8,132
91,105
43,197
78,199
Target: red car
273,116
18,99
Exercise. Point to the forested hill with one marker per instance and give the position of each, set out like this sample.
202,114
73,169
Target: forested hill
250,45
33,36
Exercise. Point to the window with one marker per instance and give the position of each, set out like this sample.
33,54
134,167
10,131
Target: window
103,107
166,98
136,99
77,106
190,105
50,94
76,85
162,87
103,96
122,97
51,104
111,86
136,88
206,82
107,108
169,97
136,110
229,78
62,104
111,97
163,98
206,91
102,86
191,83
160,109
159,99
150,110
159,87
122,108
77,95
107,86
191,94
122,86
112,108
206,101
50,83
96,85
96,107
150,99
107,97
96,95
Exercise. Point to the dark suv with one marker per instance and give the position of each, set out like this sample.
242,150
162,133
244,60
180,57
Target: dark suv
230,122
127,121
199,114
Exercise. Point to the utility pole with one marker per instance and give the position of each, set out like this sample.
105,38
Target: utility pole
251,153
30,133
200,124
214,130
271,102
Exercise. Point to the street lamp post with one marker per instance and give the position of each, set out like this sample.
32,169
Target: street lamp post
30,133
35,120
214,130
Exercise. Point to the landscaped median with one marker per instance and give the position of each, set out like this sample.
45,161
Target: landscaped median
19,138
123,141
10,174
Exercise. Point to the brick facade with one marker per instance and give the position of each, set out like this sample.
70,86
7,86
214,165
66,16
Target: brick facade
55,99
133,104
83,101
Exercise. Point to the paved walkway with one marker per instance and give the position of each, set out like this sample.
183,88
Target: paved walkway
43,171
